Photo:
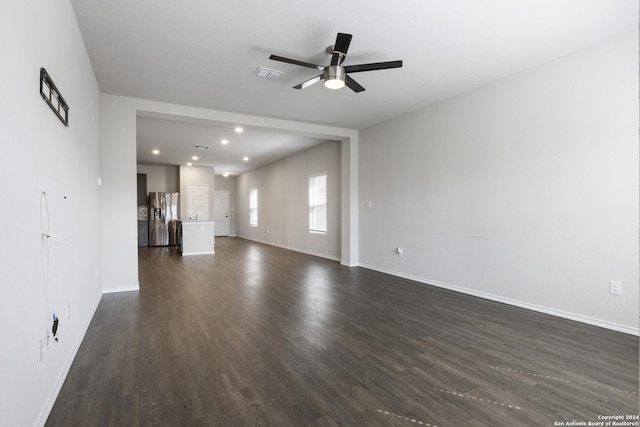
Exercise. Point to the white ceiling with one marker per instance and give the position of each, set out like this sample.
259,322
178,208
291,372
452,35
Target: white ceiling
203,53
176,141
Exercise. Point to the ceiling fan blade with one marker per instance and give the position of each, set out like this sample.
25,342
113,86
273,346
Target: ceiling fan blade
373,66
352,84
309,82
296,62
340,48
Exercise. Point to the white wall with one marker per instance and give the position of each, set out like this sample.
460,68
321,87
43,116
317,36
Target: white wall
118,194
38,153
525,191
350,248
283,202
161,178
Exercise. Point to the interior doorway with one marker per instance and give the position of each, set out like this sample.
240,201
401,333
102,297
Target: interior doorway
221,213
198,201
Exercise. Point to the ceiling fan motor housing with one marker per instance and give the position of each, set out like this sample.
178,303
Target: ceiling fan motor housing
334,73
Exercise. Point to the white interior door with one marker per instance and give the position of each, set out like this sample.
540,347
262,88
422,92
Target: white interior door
198,201
221,213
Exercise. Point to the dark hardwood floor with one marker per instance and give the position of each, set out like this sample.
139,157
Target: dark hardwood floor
257,335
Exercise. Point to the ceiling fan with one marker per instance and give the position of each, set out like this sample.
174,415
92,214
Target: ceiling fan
335,75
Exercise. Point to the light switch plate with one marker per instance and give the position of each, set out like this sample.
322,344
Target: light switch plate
615,287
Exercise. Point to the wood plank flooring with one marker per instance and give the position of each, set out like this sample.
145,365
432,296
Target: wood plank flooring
257,335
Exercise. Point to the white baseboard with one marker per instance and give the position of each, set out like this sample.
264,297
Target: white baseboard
62,376
291,248
541,309
355,264
131,288
198,253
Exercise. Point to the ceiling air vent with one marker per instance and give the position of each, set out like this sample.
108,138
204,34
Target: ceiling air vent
267,73
202,147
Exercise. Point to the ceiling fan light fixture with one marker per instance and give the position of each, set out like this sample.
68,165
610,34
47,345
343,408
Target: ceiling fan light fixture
334,77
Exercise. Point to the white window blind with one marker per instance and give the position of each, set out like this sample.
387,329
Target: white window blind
318,203
253,207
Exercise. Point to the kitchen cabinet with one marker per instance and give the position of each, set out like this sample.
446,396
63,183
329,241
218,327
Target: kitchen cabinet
142,189
143,233
143,207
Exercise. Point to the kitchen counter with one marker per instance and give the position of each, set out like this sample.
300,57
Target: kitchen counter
197,237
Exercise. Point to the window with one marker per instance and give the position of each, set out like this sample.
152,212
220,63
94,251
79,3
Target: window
318,203
253,207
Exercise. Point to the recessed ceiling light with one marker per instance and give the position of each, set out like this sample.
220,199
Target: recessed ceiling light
194,158
239,129
189,164
156,152
246,159
224,141
226,174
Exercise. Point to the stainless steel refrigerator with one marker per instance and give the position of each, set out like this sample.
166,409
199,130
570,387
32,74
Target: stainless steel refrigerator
163,216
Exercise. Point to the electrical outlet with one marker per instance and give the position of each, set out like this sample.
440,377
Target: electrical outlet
68,306
400,252
615,287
